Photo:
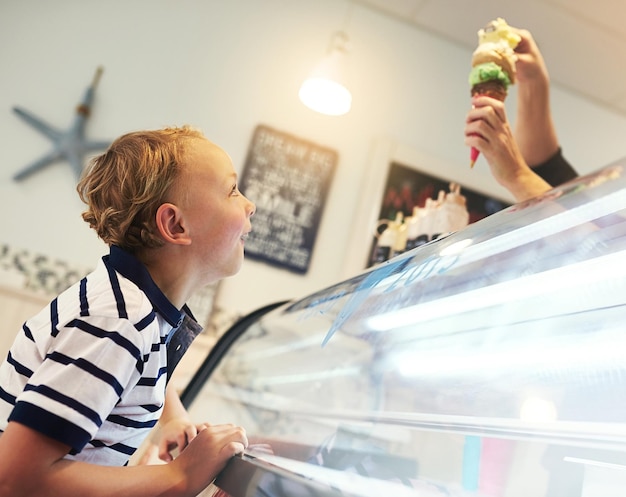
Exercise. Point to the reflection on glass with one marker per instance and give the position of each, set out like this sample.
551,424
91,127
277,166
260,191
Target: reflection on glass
489,363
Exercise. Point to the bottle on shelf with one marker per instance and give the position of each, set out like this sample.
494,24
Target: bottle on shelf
386,240
414,224
399,245
428,225
456,209
451,212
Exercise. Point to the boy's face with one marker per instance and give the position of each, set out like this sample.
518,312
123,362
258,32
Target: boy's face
216,213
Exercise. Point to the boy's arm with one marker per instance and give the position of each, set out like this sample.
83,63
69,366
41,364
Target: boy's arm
32,462
173,407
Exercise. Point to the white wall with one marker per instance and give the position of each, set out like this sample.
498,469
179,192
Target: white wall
227,66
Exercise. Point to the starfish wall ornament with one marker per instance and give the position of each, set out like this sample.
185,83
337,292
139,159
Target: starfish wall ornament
69,145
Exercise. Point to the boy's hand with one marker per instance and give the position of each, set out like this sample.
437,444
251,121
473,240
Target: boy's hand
207,454
170,439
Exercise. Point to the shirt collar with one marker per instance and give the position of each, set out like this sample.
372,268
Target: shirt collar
133,269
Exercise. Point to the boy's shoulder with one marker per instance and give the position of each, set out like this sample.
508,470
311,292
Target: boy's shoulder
105,293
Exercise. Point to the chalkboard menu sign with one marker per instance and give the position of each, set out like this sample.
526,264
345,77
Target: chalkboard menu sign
288,179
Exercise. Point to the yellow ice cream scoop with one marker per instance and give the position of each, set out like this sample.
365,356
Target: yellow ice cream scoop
496,43
498,31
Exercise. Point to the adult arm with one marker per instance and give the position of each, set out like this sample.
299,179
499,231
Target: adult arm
556,169
535,132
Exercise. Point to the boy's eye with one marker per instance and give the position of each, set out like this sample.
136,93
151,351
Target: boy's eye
234,190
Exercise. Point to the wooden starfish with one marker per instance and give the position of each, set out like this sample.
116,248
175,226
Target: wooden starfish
69,145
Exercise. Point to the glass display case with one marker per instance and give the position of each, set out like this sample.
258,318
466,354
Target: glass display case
490,362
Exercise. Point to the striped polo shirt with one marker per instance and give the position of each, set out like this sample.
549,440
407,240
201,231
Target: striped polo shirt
90,369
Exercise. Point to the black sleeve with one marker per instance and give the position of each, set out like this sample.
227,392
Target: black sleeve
556,169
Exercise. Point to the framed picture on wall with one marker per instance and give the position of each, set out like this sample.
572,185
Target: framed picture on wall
392,170
407,187
288,178
408,190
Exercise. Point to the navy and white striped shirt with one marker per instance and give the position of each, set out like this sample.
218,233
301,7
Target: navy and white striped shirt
90,369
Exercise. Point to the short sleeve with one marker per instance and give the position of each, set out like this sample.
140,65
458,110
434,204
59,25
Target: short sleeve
556,170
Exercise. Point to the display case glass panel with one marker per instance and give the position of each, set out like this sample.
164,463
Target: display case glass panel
489,362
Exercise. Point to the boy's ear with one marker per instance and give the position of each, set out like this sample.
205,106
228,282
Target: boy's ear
171,225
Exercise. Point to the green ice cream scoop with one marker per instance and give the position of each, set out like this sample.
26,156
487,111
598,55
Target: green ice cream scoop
489,71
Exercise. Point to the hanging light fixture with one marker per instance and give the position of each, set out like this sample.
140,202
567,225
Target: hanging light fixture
324,90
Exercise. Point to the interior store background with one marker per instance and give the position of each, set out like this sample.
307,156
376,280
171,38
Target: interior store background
227,67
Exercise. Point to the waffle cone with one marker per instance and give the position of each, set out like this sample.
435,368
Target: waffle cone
493,88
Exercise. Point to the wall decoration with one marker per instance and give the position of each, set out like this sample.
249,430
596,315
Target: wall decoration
383,152
38,273
288,179
407,187
418,201
69,145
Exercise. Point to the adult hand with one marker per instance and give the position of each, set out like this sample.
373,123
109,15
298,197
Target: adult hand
488,130
535,132
530,65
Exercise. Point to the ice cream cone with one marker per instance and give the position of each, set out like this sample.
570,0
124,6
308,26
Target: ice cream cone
493,64
494,89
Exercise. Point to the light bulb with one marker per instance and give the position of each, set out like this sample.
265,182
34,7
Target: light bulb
324,90
325,96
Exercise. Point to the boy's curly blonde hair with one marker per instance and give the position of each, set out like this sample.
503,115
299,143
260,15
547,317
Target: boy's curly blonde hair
124,187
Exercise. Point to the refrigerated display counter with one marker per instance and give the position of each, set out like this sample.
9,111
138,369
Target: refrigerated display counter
490,362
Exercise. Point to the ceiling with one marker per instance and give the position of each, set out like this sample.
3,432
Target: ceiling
582,41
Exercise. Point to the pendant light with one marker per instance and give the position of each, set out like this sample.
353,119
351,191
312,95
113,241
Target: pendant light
324,90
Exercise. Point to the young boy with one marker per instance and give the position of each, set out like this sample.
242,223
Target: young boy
85,379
